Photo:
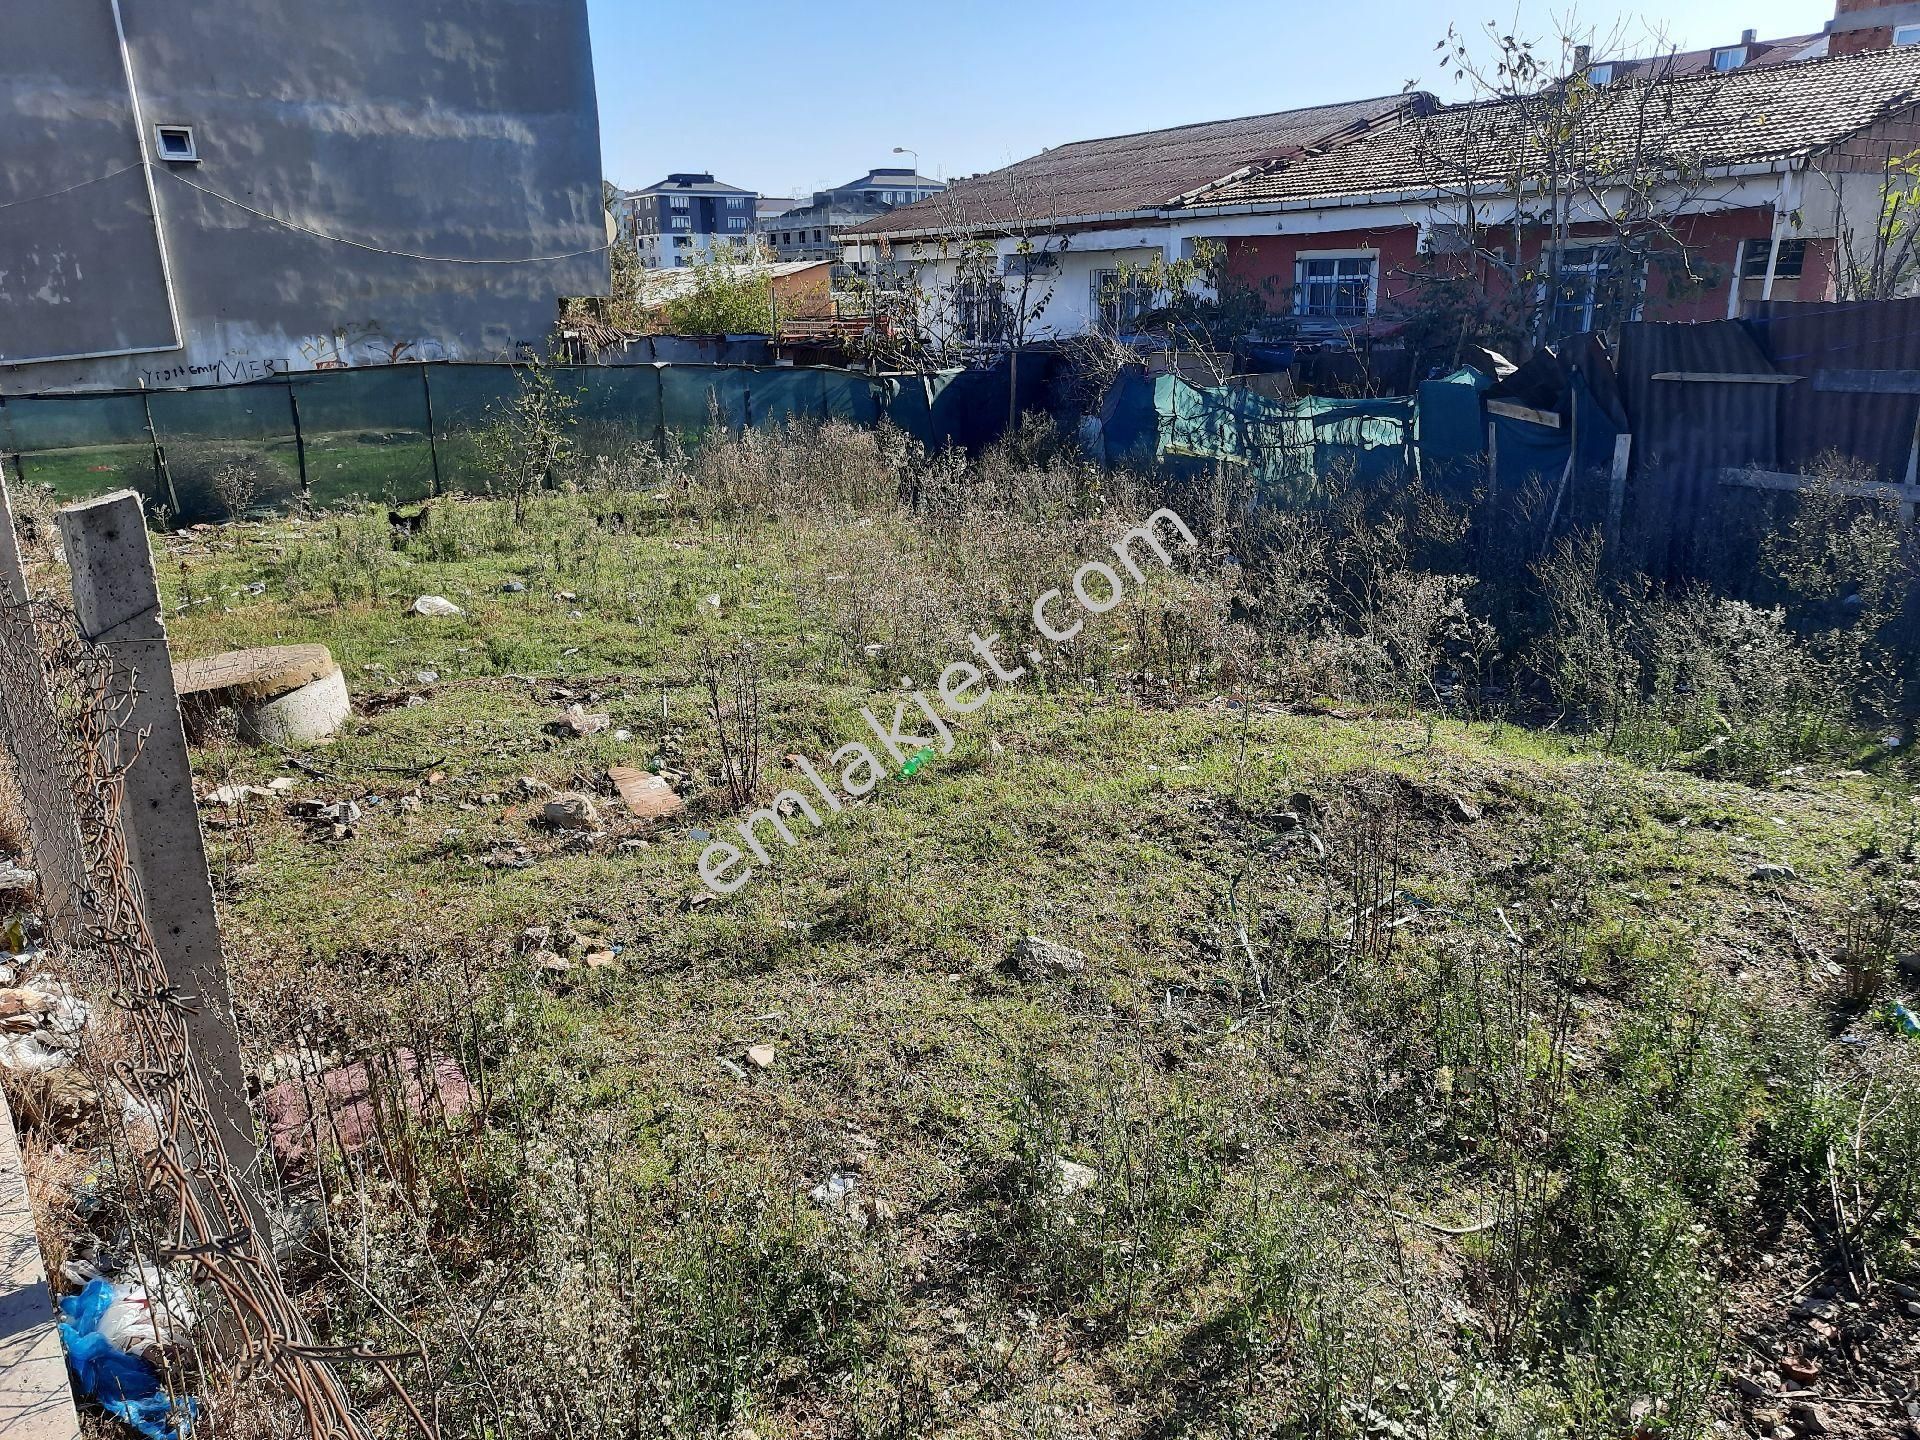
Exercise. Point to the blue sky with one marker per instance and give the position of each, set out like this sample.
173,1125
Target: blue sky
787,98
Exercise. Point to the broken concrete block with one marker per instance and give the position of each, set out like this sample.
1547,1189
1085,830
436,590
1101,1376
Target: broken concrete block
1037,958
647,796
570,811
281,694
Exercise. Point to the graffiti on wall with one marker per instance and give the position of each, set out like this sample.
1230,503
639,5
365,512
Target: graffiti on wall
230,370
349,346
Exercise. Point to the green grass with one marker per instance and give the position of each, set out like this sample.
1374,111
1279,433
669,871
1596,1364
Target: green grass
1258,1092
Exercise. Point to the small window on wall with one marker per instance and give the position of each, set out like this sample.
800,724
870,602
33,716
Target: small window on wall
175,143
1753,259
1906,34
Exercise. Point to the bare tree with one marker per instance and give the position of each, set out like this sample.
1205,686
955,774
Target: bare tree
979,285
1878,260
1559,196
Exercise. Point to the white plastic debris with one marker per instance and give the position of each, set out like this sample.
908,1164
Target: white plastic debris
838,1194
437,606
236,794
150,1310
31,1054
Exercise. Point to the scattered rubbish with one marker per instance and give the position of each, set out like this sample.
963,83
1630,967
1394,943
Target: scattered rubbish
570,811
514,587
576,721
1799,1370
437,606
339,812
1036,957
1771,871
761,1056
426,677
40,1026
345,1110
124,1383
225,795
714,601
281,783
149,1311
12,877
1071,1177
531,788
699,837
1903,1019
647,796
513,856
602,960
840,1195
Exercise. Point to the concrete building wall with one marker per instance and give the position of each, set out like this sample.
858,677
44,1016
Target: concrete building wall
461,130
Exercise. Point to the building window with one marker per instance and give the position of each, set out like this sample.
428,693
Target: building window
681,222
1119,302
1906,34
734,202
978,308
1587,289
678,202
1600,75
736,222
818,236
1754,255
175,143
1731,58
1334,287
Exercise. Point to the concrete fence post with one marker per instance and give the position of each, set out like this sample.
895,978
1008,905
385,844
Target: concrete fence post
26,712
116,599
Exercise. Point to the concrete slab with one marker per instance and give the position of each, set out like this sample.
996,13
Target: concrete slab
36,1400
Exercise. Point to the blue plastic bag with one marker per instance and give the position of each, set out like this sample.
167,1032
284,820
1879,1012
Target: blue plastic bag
125,1385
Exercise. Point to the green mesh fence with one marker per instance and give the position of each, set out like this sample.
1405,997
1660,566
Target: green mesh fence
365,433
80,445
225,449
402,433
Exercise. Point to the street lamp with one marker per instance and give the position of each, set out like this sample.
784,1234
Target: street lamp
903,150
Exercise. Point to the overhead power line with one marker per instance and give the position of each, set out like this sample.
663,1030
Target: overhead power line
78,185
379,249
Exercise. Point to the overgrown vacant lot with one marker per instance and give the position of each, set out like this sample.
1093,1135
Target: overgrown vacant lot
1406,1071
